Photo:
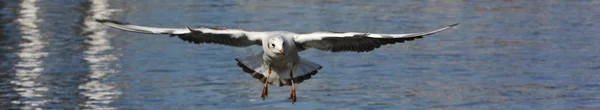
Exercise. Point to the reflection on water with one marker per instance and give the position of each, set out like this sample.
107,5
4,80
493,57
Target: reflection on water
504,55
56,67
29,67
99,59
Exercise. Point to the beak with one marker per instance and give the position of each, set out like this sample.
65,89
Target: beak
281,51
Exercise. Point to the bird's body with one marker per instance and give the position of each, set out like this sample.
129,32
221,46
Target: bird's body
279,63
282,64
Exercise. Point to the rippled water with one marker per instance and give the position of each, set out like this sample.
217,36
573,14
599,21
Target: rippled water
504,55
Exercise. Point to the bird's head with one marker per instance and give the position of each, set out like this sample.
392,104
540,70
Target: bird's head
276,45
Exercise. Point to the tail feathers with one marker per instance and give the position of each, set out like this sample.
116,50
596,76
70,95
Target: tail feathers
304,71
253,65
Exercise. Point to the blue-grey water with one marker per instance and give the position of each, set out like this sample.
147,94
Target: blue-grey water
505,54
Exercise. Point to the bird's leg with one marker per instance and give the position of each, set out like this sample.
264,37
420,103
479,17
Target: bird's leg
293,91
265,92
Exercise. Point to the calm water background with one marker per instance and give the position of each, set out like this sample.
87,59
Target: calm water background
534,54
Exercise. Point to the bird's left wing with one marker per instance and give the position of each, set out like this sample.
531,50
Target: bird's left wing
231,37
354,41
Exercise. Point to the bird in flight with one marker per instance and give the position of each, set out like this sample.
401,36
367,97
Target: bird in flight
279,63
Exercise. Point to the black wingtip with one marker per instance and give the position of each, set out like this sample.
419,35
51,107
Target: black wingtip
452,25
109,21
192,30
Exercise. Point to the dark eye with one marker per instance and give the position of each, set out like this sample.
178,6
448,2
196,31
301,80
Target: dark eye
272,45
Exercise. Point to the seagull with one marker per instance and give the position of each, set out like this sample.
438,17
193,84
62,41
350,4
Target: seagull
279,63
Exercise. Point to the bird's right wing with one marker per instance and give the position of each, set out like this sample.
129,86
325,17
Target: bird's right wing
231,37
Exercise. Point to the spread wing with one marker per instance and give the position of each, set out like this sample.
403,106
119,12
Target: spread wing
354,41
231,37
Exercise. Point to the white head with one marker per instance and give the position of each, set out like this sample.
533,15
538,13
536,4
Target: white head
275,46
